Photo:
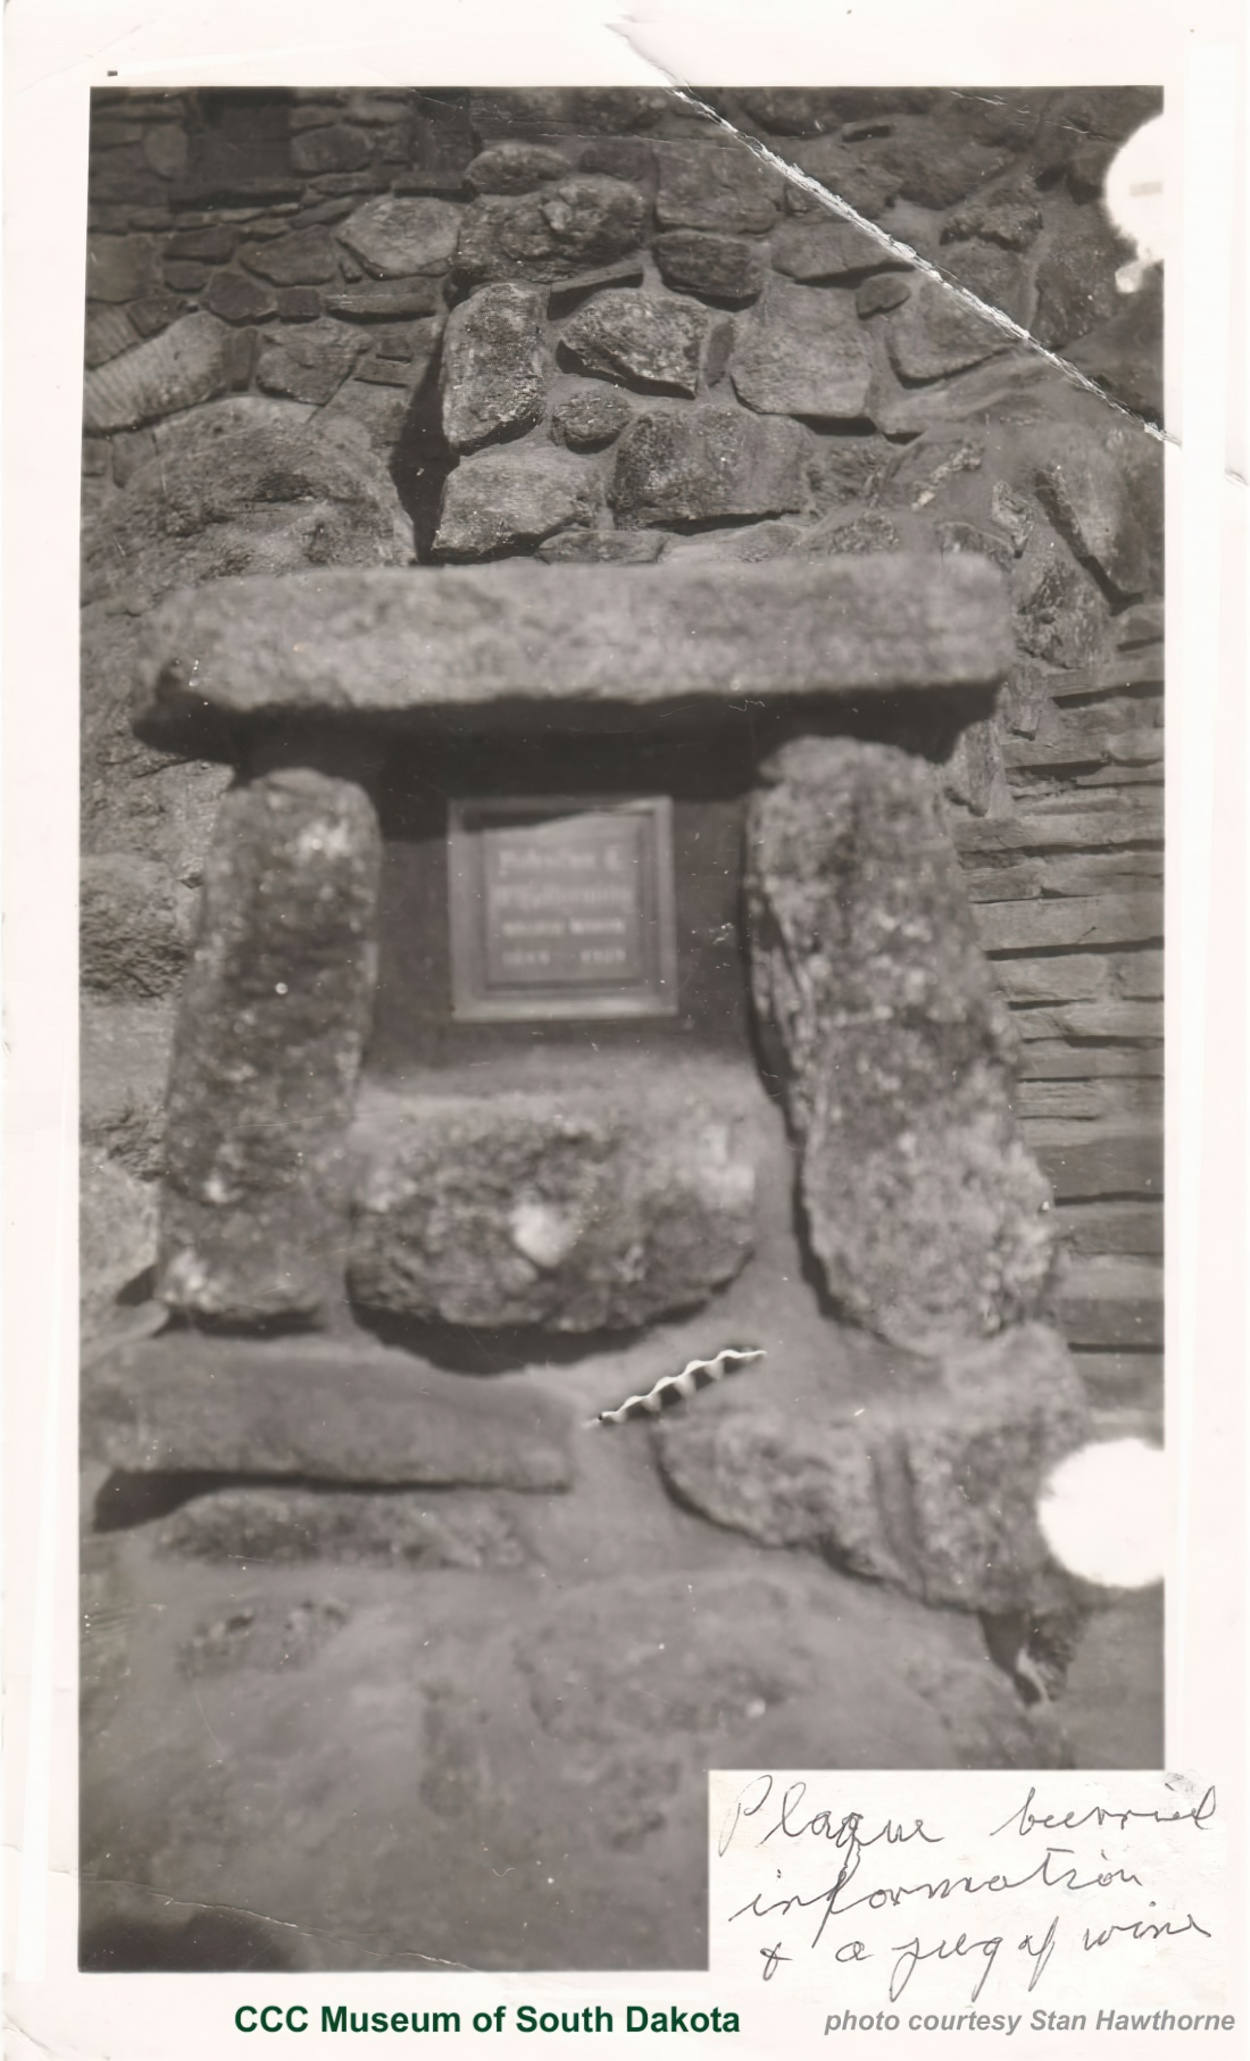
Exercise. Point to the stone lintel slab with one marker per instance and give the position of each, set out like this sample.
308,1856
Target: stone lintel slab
321,1410
569,640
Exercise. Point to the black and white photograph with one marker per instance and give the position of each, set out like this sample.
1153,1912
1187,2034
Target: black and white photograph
621,979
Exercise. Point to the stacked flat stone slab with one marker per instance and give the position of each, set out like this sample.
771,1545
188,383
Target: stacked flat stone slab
892,1046
275,1009
381,645
314,1409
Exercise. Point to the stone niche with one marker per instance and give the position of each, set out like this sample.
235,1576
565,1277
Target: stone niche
541,890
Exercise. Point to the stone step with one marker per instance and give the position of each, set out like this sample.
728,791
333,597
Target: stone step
325,1409
1112,1303
1128,1228
1142,667
1072,823
1094,1099
1050,1059
1070,920
1133,1379
1112,732
1048,874
1107,1019
1081,1160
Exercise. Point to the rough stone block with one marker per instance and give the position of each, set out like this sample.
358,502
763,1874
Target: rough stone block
1013,220
802,352
244,483
343,641
494,371
589,418
185,364
996,276
305,257
182,277
497,500
885,290
211,245
236,298
325,1410
720,268
1105,495
647,341
395,235
880,1017
813,251
935,332
713,185
1060,615
564,229
308,363
547,1210
845,172
708,461
515,168
929,1483
275,1009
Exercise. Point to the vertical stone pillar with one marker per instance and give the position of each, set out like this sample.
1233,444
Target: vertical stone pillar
275,1010
879,1015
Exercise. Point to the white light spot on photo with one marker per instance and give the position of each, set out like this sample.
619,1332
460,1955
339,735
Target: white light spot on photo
1133,197
1103,1513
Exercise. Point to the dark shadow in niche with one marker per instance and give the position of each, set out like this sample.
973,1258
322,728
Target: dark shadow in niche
139,1289
473,1350
423,458
126,1502
840,426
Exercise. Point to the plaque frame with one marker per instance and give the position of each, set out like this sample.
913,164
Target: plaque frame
476,998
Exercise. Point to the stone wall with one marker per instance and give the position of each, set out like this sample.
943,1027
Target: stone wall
353,328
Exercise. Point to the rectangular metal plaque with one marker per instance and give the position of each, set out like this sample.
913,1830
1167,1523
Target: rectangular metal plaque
562,906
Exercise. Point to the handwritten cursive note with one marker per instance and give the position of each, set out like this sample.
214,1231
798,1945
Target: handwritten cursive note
955,1898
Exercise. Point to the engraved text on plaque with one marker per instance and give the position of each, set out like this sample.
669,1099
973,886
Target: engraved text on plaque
562,907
